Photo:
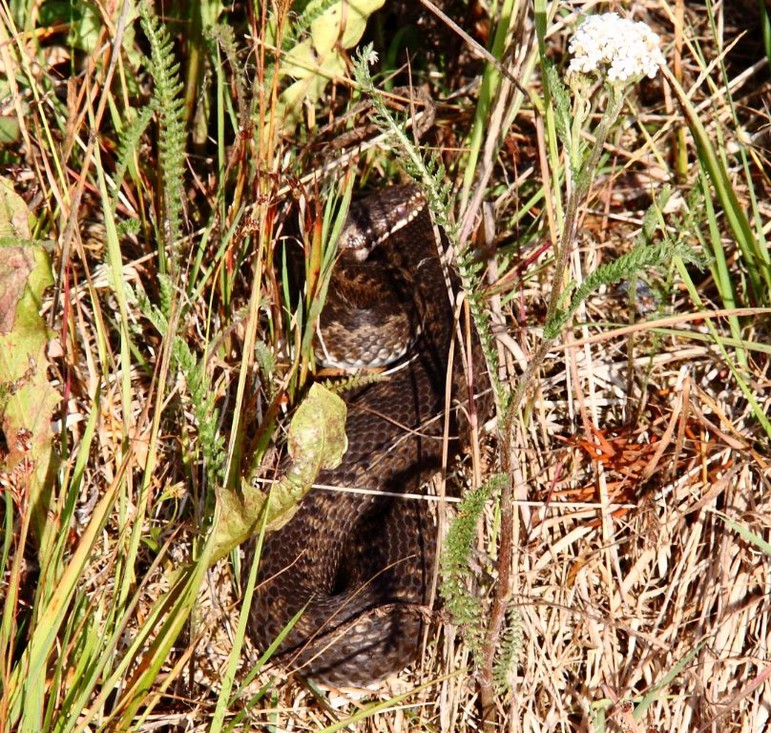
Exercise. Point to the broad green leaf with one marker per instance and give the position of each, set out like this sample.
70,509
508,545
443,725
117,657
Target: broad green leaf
27,401
10,131
316,442
319,59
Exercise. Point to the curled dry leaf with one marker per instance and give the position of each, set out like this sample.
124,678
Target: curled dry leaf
316,442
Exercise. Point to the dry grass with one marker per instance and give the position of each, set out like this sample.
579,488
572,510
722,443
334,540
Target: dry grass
640,587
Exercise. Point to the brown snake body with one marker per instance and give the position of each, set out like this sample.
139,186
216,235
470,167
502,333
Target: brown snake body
361,565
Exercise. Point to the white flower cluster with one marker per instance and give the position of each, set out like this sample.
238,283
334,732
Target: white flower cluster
616,47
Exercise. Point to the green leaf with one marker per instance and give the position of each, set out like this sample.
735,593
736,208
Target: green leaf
316,442
319,59
748,535
27,401
10,131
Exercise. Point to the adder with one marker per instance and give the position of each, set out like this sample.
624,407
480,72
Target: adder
360,566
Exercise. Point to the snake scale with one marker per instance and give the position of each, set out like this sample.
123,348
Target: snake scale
361,566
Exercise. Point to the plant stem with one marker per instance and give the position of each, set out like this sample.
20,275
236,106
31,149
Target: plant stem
502,594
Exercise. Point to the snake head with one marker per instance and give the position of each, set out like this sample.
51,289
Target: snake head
374,219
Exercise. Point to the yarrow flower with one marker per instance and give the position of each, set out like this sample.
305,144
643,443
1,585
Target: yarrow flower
615,47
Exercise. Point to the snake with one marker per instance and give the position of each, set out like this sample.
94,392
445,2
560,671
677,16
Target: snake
354,570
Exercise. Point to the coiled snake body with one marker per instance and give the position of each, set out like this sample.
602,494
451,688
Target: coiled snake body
361,565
